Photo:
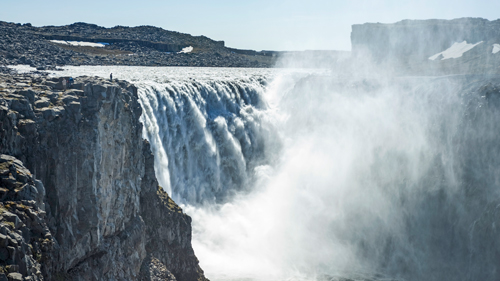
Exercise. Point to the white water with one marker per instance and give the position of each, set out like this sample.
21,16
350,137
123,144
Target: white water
309,174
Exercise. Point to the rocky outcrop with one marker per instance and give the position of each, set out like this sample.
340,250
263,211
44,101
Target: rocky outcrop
167,246
25,239
83,147
138,46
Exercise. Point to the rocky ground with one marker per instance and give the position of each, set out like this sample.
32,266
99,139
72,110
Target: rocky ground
78,196
139,46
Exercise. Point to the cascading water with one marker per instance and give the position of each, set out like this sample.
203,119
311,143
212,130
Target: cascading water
212,134
305,176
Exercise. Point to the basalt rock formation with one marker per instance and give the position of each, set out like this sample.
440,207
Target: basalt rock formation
79,197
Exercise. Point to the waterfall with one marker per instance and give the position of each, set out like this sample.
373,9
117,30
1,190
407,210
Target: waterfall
208,136
303,175
360,178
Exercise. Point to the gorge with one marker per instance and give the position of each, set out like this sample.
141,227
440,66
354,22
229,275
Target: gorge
350,172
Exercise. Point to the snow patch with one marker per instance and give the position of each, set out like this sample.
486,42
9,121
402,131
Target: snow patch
496,48
455,51
186,50
78,43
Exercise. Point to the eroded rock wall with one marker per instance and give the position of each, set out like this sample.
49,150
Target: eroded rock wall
166,245
85,145
25,239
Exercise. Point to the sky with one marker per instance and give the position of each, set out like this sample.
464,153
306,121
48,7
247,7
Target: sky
251,24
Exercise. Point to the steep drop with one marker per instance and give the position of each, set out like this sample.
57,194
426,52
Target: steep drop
208,136
360,178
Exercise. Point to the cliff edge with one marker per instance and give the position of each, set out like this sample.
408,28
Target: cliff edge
79,198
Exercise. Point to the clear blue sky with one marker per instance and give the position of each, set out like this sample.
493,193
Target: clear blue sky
257,24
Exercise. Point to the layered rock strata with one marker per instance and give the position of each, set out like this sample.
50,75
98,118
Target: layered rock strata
79,195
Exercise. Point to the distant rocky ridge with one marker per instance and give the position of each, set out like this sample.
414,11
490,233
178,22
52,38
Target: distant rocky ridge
409,44
405,45
139,46
79,198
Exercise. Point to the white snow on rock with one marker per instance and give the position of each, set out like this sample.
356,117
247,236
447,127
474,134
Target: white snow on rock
186,50
455,51
78,43
496,48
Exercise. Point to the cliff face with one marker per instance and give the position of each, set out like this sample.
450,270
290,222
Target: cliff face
104,213
168,244
420,37
414,41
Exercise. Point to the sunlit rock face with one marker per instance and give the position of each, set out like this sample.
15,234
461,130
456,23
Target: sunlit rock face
93,178
85,145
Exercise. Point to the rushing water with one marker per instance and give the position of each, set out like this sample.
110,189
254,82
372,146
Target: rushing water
298,175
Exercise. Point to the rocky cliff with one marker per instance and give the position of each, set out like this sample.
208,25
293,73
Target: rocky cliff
79,199
410,43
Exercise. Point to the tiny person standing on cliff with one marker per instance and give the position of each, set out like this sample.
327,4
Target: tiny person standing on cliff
111,77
